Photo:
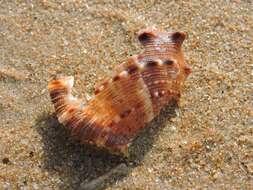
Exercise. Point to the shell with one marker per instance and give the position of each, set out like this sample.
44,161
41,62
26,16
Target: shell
129,99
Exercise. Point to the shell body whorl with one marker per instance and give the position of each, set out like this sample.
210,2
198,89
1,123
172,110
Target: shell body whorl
124,103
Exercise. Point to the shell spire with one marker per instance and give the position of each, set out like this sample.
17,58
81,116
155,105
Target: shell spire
125,102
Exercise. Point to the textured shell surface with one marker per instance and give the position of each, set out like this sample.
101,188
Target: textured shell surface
129,99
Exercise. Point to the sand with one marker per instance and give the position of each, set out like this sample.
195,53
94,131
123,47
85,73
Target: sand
206,143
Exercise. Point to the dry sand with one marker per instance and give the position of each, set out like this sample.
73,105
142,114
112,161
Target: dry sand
205,144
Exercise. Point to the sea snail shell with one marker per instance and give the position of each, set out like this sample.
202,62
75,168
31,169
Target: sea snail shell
125,102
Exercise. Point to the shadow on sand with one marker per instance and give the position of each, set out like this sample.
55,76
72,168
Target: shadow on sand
85,167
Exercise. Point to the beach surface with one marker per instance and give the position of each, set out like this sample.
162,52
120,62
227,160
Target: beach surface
204,143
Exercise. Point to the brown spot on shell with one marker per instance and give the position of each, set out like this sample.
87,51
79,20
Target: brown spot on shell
96,91
116,78
125,113
168,62
145,37
178,37
152,63
132,69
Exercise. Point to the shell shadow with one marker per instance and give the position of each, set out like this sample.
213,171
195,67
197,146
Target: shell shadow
86,167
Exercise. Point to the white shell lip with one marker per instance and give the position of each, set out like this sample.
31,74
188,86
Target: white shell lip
124,74
68,81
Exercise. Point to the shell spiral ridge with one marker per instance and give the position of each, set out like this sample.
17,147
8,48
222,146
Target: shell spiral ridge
125,102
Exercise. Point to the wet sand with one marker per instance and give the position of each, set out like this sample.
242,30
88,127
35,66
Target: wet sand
206,143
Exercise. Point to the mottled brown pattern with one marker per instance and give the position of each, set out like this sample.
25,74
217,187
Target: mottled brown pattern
123,104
